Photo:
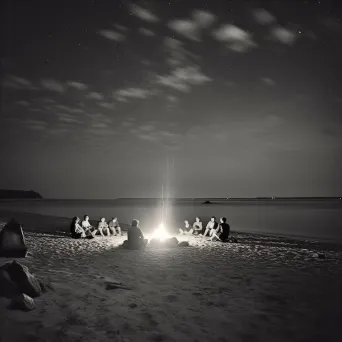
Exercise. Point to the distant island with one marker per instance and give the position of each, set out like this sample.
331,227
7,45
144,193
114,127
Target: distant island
19,194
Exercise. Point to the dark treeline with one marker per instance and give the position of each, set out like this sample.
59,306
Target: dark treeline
18,194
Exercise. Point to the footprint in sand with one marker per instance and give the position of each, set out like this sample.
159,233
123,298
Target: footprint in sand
171,298
148,318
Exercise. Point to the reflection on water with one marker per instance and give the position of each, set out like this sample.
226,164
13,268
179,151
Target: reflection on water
318,219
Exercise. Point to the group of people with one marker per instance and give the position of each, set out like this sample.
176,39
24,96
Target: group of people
219,231
85,229
135,239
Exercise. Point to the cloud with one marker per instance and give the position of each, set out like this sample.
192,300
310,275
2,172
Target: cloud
185,27
67,118
22,103
95,96
121,95
53,85
66,109
143,14
203,19
236,38
120,27
268,81
99,117
77,85
107,105
112,35
18,83
283,35
37,125
182,77
178,55
146,32
263,17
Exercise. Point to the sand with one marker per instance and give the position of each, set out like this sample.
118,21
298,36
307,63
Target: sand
260,289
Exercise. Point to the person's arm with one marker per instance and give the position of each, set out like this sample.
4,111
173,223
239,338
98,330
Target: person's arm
141,235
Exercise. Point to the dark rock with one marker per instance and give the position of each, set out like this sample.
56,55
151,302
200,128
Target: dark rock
184,244
8,288
12,241
133,306
321,256
171,242
207,202
27,283
22,302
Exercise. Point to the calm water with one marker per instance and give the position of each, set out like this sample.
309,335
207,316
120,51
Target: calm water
310,219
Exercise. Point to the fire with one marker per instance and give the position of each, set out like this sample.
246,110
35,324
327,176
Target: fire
160,233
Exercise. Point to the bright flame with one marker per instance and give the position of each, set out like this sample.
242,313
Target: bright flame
160,233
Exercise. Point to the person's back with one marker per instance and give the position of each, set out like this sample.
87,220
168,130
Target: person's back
225,231
135,237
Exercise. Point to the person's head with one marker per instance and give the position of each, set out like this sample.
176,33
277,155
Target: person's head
115,219
223,219
213,219
135,223
198,219
186,222
103,219
86,218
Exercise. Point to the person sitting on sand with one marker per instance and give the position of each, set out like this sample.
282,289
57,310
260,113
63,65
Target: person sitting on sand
114,226
187,230
76,230
102,227
135,237
211,226
197,226
223,230
88,228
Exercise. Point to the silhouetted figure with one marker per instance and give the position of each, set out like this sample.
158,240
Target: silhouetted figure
211,226
114,226
135,237
197,226
77,232
12,241
187,230
223,229
102,227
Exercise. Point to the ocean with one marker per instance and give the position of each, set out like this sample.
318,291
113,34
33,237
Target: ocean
311,219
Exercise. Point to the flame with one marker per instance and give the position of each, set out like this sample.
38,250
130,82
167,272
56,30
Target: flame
160,233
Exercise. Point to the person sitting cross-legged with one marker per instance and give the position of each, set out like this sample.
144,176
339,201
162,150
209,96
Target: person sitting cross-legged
114,226
187,230
211,226
102,227
197,226
135,238
77,232
88,228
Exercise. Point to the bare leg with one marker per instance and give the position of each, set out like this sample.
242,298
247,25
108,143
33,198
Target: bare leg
181,231
119,230
112,230
206,232
190,231
101,232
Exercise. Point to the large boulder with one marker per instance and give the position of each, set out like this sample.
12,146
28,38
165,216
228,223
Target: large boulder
22,302
184,244
25,281
8,288
12,241
171,242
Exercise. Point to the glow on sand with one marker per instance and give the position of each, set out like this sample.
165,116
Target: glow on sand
160,233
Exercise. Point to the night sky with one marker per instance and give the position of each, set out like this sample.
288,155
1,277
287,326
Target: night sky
245,96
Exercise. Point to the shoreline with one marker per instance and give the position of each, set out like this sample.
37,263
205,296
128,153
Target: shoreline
48,224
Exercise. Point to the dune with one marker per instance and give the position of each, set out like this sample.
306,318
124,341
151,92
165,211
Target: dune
263,288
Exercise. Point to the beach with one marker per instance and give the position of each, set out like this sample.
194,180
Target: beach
263,288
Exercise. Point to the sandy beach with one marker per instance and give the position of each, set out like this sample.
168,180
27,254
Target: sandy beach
263,288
